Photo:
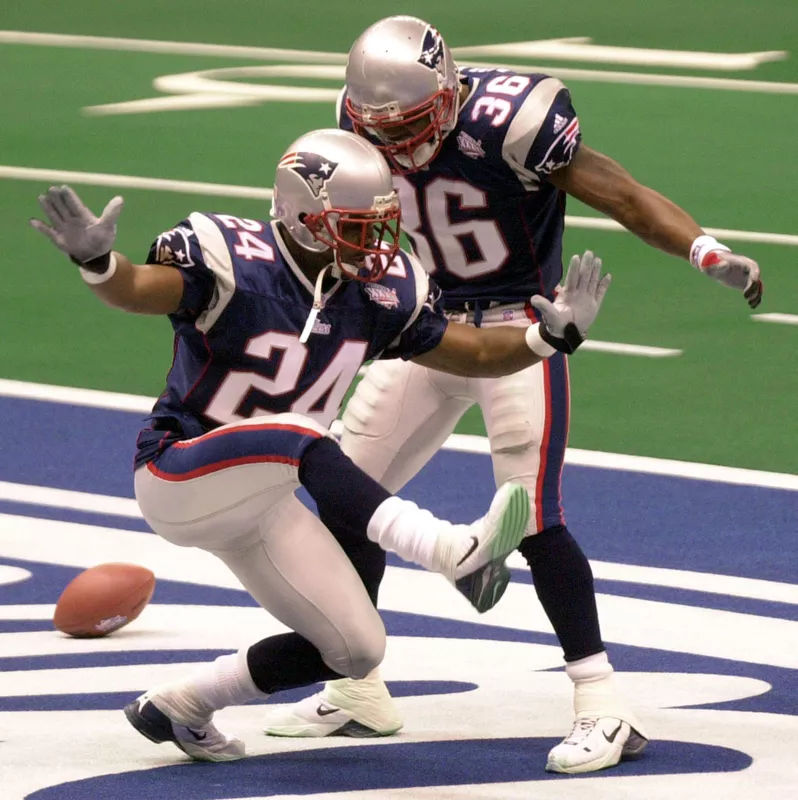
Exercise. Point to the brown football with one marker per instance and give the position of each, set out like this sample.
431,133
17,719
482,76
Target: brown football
103,599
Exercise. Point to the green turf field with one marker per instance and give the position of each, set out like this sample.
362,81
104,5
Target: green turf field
727,155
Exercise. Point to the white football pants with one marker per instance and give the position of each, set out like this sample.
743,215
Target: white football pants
231,492
401,414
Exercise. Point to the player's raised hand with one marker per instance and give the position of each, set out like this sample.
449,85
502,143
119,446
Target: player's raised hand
73,227
564,323
736,272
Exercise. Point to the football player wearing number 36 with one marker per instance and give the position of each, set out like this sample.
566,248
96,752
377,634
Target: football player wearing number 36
272,322
483,160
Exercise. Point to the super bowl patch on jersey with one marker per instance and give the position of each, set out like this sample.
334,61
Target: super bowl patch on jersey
382,295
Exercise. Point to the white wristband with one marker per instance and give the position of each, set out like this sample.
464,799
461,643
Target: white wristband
534,341
703,245
93,278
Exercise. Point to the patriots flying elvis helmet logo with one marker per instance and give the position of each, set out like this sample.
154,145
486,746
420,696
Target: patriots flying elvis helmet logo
313,168
432,49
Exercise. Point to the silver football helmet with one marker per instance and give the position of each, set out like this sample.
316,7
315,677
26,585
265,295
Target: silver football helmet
333,190
403,88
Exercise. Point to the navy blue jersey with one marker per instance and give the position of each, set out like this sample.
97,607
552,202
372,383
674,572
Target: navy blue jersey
482,216
245,303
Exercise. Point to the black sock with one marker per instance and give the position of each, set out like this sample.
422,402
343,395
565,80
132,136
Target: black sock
341,488
286,661
367,557
564,585
346,499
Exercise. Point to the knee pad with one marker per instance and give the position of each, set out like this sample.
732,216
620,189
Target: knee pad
372,411
516,418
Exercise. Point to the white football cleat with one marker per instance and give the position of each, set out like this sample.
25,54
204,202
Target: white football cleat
346,707
473,556
595,743
154,716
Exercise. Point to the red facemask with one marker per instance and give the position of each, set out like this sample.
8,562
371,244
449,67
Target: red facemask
366,240
437,111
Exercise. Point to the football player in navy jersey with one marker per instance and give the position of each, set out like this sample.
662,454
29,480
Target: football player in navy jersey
272,322
483,160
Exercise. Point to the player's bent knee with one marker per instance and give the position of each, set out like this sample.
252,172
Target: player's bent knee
365,660
356,658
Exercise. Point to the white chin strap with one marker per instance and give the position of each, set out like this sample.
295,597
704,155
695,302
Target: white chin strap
318,300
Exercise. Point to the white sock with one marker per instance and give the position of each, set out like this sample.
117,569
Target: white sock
595,692
592,668
226,682
401,527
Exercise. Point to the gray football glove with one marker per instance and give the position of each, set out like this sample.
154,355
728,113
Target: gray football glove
736,272
73,228
564,323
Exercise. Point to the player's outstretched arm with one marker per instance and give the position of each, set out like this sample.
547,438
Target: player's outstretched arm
88,241
492,352
605,185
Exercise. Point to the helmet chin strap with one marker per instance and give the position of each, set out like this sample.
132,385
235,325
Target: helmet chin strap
318,299
318,305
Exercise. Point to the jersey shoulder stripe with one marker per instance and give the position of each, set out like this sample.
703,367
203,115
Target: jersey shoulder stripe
216,257
526,125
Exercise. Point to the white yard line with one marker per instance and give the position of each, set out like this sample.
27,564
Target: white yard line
45,176
620,349
754,589
306,56
460,442
75,501
779,319
604,224
132,182
167,48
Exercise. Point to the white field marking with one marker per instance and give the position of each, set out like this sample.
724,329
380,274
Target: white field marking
205,88
651,79
457,441
604,224
167,48
86,541
628,349
580,48
781,319
217,87
263,193
751,588
186,102
75,501
94,398
574,48
132,182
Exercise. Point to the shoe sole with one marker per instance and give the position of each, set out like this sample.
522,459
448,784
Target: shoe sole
157,732
352,729
160,732
634,746
485,586
631,750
